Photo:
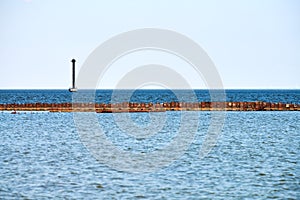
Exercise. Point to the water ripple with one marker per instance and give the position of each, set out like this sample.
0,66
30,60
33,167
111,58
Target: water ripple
256,157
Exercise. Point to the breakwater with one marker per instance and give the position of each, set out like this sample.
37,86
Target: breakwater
150,107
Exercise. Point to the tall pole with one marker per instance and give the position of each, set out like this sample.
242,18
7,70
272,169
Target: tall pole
73,73
73,88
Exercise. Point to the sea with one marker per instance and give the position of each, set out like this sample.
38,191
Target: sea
255,155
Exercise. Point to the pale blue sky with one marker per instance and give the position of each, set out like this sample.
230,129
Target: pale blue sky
254,44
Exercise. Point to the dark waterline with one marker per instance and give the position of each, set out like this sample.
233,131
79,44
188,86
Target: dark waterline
105,96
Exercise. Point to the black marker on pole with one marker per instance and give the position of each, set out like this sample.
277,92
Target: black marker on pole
73,88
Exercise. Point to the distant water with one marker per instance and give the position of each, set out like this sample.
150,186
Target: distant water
256,157
104,96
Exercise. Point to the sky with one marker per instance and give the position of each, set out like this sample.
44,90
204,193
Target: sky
254,44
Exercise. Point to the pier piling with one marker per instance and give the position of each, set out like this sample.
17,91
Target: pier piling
150,107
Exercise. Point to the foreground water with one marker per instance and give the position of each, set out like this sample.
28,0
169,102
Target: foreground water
256,157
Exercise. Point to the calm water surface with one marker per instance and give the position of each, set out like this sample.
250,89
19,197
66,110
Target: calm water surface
104,96
256,157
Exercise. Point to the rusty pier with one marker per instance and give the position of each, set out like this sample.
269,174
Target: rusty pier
151,107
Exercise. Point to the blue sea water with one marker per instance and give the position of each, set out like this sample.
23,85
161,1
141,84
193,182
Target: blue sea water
104,96
256,156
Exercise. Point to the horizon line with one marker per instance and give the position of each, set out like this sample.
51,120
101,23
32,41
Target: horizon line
154,89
